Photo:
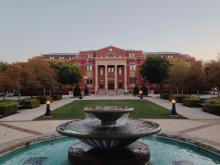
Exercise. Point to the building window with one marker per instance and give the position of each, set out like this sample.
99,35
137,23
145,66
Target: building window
90,55
101,71
131,55
132,67
89,66
119,71
51,58
132,80
111,69
89,81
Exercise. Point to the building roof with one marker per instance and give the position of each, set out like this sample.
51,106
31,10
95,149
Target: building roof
61,54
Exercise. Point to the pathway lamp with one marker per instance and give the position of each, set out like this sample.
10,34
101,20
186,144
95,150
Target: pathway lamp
141,94
173,111
47,109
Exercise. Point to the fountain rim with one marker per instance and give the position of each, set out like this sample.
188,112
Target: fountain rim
115,109
15,145
108,136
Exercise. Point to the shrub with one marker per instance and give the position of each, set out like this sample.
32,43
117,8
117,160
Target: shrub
8,107
86,91
191,102
77,91
178,97
30,103
165,96
56,97
135,90
212,105
144,90
44,99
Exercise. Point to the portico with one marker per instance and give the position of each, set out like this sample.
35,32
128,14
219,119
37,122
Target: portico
110,74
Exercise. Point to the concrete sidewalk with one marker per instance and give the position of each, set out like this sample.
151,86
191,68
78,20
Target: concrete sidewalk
188,112
31,114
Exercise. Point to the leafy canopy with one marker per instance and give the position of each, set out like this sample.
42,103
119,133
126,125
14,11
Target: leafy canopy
155,69
67,73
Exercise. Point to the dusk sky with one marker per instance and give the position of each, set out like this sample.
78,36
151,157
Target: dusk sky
31,27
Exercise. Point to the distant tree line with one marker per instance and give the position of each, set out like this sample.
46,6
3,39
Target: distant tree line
40,76
182,77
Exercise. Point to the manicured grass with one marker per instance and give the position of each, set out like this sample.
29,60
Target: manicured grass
142,109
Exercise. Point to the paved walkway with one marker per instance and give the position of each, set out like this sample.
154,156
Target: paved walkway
31,114
188,112
204,131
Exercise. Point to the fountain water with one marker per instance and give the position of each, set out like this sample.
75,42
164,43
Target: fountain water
110,138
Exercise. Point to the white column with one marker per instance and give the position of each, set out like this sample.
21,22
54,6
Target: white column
125,77
106,77
116,78
96,78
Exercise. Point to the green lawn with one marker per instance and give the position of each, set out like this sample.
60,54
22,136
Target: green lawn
142,109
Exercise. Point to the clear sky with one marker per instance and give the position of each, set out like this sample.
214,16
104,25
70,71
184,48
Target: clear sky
32,27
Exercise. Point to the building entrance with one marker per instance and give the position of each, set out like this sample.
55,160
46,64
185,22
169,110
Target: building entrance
111,84
120,85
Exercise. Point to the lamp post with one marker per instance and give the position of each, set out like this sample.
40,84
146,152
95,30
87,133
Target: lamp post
47,109
141,94
173,111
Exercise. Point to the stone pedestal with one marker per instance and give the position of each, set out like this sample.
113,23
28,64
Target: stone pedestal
136,153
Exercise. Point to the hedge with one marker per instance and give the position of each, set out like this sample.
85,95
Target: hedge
77,91
30,103
191,102
212,108
212,105
8,107
165,96
44,99
178,97
56,97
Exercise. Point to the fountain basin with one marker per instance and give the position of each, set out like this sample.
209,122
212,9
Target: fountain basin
92,133
108,114
163,152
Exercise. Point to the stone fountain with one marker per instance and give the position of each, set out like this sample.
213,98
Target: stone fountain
110,138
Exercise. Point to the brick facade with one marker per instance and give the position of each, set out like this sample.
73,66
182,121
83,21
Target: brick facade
111,69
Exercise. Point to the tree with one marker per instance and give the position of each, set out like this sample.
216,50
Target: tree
195,80
135,90
174,79
86,91
4,66
144,90
13,74
77,91
212,74
155,70
38,75
67,73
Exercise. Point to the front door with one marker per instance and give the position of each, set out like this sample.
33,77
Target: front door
111,85
120,85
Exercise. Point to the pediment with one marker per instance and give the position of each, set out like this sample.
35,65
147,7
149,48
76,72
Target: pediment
110,49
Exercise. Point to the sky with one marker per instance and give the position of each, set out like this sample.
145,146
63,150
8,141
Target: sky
32,27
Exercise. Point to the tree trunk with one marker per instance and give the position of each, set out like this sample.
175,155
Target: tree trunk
198,93
19,96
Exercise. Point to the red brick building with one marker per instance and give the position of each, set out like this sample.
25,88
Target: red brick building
111,70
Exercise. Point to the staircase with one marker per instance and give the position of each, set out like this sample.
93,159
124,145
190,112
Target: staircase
101,92
120,92
111,92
